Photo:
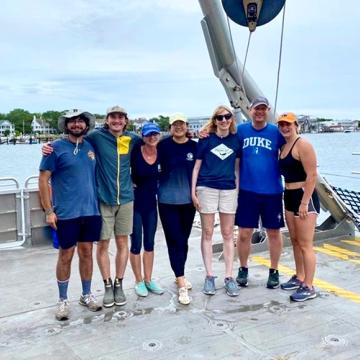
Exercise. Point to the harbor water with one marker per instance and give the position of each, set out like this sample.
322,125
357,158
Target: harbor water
334,152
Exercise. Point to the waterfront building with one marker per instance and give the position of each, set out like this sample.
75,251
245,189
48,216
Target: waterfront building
6,126
196,123
40,126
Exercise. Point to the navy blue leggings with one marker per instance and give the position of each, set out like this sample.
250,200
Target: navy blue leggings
177,223
144,223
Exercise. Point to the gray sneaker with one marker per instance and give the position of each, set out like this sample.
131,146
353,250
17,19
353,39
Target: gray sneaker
62,310
209,285
108,300
89,300
119,296
231,287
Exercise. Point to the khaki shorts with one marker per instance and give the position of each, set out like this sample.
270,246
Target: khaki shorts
116,219
215,200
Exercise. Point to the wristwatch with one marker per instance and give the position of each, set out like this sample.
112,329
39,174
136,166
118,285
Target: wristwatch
49,211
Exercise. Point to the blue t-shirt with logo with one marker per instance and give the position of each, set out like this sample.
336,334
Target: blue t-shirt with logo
176,165
259,168
218,157
72,179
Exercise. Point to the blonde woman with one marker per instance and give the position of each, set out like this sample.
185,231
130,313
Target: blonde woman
298,166
214,190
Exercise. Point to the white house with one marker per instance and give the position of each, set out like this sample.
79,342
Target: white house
6,125
197,122
41,127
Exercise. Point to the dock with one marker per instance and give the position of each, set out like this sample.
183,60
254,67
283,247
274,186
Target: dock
259,324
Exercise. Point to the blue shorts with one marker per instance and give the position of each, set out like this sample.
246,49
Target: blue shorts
253,206
292,200
81,229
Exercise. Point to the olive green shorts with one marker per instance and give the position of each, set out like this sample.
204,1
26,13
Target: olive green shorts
117,219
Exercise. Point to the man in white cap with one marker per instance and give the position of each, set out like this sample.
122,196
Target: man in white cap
260,193
73,210
113,145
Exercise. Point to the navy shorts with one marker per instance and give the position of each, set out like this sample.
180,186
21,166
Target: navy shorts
292,200
253,206
82,229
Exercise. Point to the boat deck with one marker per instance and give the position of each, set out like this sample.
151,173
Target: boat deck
259,324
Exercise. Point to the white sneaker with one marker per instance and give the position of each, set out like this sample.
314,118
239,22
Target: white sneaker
188,284
62,310
89,300
184,296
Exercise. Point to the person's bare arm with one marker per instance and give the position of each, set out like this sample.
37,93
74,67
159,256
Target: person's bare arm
45,199
195,175
308,159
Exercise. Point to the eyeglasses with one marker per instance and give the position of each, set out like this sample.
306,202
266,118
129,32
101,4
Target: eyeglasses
76,120
227,117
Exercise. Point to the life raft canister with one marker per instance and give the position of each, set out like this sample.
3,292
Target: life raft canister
252,13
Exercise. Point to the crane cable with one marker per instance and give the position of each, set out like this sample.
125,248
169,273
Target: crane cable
246,54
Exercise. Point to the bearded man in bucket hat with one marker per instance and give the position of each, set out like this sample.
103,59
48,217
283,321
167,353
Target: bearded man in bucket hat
73,210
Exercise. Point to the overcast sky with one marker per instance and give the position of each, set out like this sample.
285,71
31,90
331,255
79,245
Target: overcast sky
150,57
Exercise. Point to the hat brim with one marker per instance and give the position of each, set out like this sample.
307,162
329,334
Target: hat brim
146,133
258,104
89,116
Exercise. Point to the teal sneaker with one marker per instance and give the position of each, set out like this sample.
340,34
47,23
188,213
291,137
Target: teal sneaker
140,289
273,279
242,278
153,287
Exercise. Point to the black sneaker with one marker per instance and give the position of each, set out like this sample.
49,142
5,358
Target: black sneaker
273,279
242,278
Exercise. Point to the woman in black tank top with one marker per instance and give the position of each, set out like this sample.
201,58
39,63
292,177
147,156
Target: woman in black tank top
297,162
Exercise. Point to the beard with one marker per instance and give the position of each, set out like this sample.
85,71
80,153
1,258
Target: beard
77,133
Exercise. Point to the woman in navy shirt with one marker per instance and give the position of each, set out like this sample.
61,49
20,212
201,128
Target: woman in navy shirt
177,157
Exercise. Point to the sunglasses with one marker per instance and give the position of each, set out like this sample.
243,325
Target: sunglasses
283,123
227,116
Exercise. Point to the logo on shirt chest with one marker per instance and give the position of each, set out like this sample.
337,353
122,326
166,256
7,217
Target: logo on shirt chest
222,151
190,156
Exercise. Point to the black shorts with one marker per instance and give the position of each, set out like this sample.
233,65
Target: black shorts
82,229
292,200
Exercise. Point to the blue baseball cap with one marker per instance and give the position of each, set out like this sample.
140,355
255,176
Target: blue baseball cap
150,128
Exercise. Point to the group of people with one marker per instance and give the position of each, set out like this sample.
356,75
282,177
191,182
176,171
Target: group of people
110,181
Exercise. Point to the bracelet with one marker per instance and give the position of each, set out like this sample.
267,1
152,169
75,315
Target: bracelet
49,211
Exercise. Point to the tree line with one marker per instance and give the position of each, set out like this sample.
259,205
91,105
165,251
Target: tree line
22,119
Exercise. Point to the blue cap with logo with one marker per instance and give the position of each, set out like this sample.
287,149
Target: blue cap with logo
150,128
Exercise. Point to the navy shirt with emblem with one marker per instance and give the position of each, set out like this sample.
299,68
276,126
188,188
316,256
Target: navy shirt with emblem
218,157
176,164
72,179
